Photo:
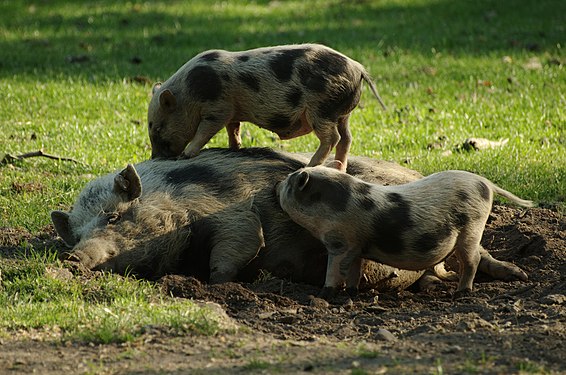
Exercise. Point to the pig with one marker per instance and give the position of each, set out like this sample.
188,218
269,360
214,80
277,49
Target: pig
290,90
215,217
411,226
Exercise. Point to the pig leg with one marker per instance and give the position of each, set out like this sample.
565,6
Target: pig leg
499,269
343,262
328,135
234,137
238,240
353,278
206,129
343,146
341,266
333,278
468,254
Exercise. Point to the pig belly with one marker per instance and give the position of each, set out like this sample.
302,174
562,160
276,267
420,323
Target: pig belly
298,128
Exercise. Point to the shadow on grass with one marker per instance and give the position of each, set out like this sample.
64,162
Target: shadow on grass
153,39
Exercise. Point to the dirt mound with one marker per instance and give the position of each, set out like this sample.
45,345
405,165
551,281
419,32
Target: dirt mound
15,241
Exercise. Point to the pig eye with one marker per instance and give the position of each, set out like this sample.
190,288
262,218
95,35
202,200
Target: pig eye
150,125
113,218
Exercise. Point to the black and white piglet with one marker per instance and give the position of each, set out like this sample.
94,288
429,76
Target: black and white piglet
291,90
412,226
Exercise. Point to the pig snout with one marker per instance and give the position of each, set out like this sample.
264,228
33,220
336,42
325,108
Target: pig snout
93,252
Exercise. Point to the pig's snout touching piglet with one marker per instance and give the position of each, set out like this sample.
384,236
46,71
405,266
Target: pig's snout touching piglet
290,90
412,226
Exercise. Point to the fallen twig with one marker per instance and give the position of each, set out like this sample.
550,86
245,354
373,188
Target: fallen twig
8,159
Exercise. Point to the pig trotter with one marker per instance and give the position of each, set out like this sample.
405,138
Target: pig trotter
352,292
459,294
327,293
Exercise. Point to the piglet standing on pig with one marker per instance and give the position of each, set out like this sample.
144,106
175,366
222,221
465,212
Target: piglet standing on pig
290,90
411,226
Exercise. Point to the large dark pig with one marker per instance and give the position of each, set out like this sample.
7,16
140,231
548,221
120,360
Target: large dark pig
216,217
291,90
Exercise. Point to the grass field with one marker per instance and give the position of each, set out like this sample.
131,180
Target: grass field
76,78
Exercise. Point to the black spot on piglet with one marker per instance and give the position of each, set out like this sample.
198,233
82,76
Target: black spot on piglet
204,83
210,56
294,97
484,190
390,225
331,63
283,63
363,195
463,195
331,192
427,242
312,79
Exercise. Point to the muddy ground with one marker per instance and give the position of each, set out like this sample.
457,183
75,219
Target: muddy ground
504,327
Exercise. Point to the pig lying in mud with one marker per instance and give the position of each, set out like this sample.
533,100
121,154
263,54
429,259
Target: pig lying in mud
411,226
290,90
216,217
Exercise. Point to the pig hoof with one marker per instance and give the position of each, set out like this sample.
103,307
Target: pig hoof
352,292
327,293
462,293
514,273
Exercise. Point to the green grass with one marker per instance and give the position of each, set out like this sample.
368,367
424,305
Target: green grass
453,69
39,295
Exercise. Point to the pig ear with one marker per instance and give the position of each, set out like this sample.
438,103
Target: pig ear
302,180
167,100
155,88
60,221
128,182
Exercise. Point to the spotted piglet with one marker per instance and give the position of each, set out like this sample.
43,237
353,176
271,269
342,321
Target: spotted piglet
412,226
290,90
